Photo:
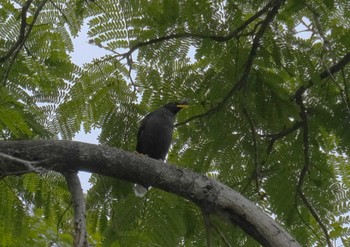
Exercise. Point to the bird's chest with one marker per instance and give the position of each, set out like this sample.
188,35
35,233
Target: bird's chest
158,133
155,137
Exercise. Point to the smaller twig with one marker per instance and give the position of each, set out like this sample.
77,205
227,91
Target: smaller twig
346,91
207,225
255,46
20,200
22,31
315,215
277,136
324,74
306,223
308,27
257,171
221,235
306,168
22,38
328,49
206,113
284,132
234,34
61,12
92,42
253,51
60,220
109,201
130,64
30,165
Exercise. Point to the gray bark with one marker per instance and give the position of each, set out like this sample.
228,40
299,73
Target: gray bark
78,201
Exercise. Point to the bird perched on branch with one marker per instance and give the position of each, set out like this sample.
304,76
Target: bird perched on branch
155,134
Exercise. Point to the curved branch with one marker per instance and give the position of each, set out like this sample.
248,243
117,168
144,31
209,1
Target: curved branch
324,74
218,38
255,46
306,168
61,12
22,31
257,169
211,195
274,137
207,113
22,38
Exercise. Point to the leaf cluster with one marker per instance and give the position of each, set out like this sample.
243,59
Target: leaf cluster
245,127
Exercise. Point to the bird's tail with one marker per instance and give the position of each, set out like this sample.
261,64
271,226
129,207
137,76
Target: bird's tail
140,191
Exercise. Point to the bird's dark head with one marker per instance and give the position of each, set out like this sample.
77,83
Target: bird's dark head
175,107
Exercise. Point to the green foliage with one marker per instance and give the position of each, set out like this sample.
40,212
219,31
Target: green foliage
250,138
33,211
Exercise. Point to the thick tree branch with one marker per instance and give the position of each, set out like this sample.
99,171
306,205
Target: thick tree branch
208,194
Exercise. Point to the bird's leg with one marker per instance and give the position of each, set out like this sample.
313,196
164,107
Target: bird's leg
135,152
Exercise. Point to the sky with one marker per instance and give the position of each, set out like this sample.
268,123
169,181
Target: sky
84,53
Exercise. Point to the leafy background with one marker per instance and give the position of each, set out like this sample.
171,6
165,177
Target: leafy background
261,132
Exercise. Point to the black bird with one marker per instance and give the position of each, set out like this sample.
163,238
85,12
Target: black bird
155,134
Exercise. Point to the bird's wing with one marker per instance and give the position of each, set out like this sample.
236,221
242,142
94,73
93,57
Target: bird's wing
142,126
